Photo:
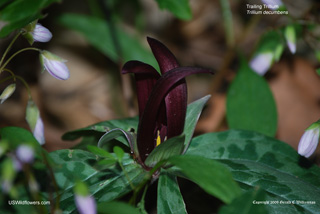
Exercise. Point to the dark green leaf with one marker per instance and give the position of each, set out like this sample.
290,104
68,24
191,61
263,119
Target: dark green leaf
318,71
194,110
251,202
250,103
91,134
97,32
115,133
107,185
19,13
100,152
166,149
119,152
169,198
257,160
16,136
101,127
116,207
180,8
210,175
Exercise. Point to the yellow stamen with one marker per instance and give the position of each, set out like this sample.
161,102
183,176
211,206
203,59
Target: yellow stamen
158,138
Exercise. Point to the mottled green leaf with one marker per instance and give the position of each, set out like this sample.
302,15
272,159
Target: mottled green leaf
250,103
100,128
169,199
116,207
173,146
180,8
107,185
251,202
209,174
257,160
97,32
91,134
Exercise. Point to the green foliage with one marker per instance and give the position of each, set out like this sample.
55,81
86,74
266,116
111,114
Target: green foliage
173,146
107,185
169,199
116,207
209,174
180,8
17,14
257,160
194,110
250,103
98,32
247,203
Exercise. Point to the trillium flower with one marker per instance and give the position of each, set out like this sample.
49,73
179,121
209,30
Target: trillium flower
41,34
309,140
162,99
54,65
7,92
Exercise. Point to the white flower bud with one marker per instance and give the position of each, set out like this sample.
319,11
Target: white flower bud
261,63
309,141
290,35
25,154
7,92
41,34
85,204
54,65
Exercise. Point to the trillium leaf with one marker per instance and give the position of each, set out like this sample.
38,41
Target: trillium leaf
173,146
114,133
250,103
100,152
105,186
169,199
194,110
257,160
116,207
91,134
251,202
210,175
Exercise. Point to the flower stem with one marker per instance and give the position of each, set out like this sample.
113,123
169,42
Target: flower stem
15,54
25,84
8,48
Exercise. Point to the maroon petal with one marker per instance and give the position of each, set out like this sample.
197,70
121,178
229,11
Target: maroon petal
147,130
166,60
146,77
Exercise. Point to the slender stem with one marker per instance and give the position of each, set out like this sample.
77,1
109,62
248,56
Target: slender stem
25,84
15,54
5,79
125,173
11,72
9,47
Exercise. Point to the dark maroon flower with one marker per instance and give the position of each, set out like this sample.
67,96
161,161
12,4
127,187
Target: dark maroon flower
162,99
